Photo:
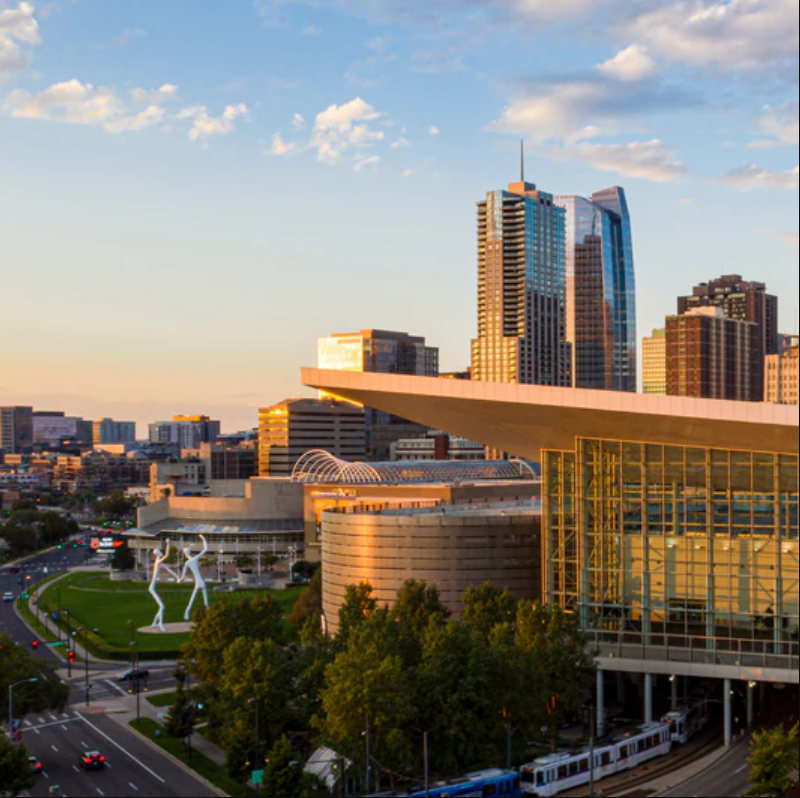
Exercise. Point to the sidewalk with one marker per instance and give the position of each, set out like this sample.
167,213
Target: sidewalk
124,711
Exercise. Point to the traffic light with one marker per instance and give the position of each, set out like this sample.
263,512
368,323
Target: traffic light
34,644
59,546
70,657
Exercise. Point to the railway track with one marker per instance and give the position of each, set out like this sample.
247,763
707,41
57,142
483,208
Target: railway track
629,781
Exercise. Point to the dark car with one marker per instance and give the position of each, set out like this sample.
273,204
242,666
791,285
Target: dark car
134,673
35,765
92,760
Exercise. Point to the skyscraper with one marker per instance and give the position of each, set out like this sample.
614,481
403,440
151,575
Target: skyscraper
522,316
601,291
654,362
381,352
781,383
16,429
710,356
107,430
746,301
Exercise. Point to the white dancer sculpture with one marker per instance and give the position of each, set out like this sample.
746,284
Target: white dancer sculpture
193,565
160,559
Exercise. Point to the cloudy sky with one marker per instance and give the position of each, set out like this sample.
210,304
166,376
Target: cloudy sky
192,191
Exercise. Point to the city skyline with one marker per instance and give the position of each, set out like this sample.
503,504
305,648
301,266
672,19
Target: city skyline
176,205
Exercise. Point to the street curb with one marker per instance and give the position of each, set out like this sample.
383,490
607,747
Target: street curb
177,762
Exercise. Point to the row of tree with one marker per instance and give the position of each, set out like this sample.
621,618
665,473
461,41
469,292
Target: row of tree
504,670
26,530
774,761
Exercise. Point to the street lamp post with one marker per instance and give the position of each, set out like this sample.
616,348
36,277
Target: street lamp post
254,703
85,657
11,705
69,645
58,612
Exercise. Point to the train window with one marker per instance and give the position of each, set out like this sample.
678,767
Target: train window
623,752
490,789
606,760
516,783
540,781
563,772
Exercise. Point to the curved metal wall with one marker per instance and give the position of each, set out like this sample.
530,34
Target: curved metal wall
451,551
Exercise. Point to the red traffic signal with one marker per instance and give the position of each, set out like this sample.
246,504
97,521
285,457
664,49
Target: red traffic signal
70,656
35,644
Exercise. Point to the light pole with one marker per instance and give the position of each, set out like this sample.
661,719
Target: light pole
69,645
11,705
133,640
219,565
256,764
58,612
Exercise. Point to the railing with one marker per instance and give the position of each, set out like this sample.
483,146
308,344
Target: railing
731,652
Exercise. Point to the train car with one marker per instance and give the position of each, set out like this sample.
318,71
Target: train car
558,773
484,783
687,721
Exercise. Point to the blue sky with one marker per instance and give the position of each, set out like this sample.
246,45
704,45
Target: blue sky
193,191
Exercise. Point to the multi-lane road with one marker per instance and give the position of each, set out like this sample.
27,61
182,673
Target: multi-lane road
134,767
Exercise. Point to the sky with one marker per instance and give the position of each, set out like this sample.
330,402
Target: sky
192,192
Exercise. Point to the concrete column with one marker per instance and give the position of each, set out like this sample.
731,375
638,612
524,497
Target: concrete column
751,698
726,700
601,704
648,698
675,700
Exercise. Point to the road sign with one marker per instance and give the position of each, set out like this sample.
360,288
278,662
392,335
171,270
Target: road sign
56,644
257,777
25,596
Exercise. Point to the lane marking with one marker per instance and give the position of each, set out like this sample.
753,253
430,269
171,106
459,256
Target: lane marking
75,768
116,687
42,720
134,786
49,725
100,791
64,727
28,723
743,767
54,748
119,747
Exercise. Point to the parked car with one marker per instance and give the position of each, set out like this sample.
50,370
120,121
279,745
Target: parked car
133,673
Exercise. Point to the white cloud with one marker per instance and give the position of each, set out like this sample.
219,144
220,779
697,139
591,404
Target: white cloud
782,124
433,130
750,177
19,32
75,103
340,128
400,144
363,163
648,160
632,64
311,30
204,125
408,173
731,34
280,147
299,122
793,239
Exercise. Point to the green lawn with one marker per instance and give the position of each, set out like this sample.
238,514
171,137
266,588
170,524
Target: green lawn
98,603
162,700
199,763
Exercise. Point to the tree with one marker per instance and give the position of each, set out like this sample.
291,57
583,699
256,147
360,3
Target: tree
15,773
283,775
356,608
21,540
245,560
123,559
305,569
117,506
485,607
773,759
178,721
309,604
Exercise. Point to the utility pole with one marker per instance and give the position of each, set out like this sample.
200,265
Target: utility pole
591,752
509,756
427,769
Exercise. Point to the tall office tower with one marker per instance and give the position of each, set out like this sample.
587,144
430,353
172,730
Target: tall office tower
107,430
184,434
290,429
209,430
50,428
781,381
710,356
746,301
601,291
16,429
381,352
522,315
654,362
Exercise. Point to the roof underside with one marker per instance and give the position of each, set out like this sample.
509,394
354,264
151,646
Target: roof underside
523,420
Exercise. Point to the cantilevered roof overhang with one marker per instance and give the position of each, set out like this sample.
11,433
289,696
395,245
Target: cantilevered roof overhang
524,419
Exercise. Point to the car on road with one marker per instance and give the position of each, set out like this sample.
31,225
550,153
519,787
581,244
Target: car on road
92,760
8,597
133,673
35,765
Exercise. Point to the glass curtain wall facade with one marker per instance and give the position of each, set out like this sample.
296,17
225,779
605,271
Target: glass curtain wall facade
522,317
601,291
675,547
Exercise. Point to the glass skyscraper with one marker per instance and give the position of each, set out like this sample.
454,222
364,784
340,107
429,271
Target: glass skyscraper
601,291
522,318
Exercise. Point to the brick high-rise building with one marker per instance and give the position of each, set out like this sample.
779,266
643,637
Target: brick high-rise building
654,363
710,356
781,382
746,301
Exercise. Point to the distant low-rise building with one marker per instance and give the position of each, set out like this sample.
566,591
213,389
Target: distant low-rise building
438,446
107,430
53,428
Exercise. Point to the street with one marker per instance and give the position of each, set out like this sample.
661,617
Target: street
727,778
134,767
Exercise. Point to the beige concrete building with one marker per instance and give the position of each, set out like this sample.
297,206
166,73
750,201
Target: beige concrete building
781,378
654,363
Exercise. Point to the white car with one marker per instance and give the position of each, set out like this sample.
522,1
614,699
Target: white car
8,597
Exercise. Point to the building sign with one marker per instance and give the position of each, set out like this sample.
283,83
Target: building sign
107,543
